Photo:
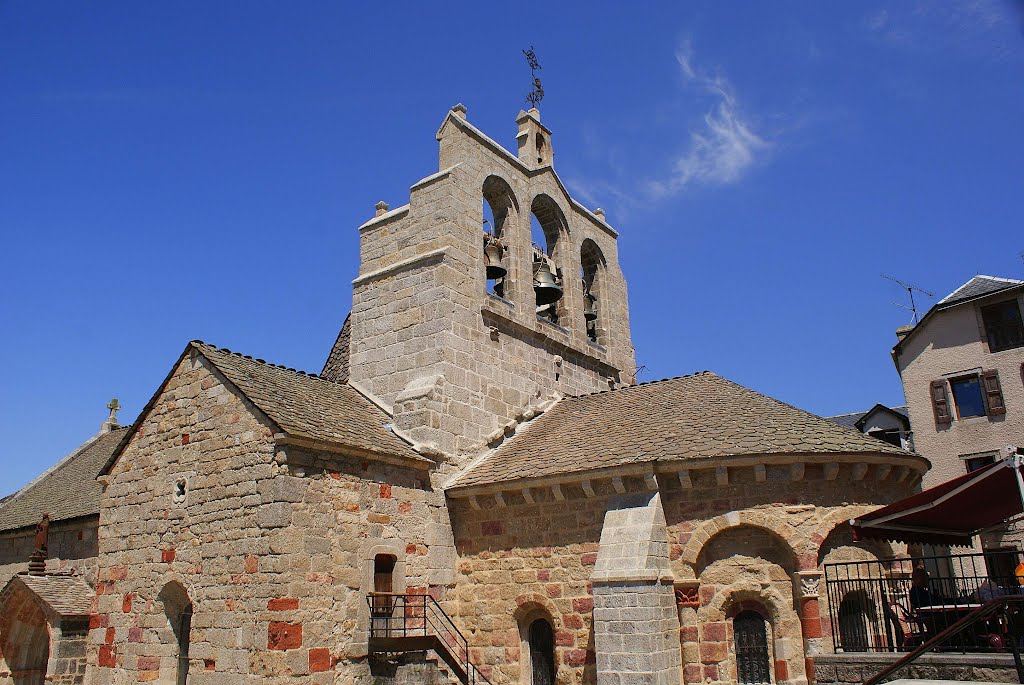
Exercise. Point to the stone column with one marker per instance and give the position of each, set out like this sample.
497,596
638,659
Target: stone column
806,584
636,626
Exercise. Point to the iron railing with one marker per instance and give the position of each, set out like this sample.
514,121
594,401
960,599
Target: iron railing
400,623
873,606
1004,611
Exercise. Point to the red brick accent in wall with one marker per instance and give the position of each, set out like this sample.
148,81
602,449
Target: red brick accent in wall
108,657
167,555
282,635
319,660
282,603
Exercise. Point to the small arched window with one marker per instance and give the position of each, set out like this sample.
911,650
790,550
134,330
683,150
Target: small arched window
542,652
750,632
178,610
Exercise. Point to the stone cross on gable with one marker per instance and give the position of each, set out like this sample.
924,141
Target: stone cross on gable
111,422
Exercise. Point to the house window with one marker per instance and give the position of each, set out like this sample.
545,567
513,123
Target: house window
967,396
1003,326
751,635
978,461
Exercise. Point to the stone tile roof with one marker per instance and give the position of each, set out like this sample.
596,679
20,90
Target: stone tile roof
690,417
67,595
336,367
68,490
306,406
978,286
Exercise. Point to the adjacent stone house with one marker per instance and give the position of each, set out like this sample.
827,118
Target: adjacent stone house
962,368
474,484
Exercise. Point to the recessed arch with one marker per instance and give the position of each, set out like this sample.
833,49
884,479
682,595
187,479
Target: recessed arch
178,611
24,637
753,541
794,539
535,623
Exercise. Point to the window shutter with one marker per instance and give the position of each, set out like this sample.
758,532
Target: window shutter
940,404
993,392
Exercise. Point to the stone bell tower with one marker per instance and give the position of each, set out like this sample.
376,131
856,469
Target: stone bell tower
461,326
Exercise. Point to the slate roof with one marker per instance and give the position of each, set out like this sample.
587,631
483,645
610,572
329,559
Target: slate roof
978,286
851,420
306,406
68,490
67,595
691,417
336,367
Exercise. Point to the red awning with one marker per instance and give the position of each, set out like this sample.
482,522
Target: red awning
950,513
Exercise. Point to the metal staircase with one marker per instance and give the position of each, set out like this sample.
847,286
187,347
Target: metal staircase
415,623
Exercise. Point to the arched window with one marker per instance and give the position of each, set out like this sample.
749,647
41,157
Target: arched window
499,204
750,633
178,610
592,265
547,224
542,652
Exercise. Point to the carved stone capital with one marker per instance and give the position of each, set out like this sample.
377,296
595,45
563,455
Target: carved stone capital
808,583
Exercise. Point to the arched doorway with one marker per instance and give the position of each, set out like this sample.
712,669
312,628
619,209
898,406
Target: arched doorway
24,639
750,633
178,610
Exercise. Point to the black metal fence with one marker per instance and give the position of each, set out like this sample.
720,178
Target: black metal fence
896,604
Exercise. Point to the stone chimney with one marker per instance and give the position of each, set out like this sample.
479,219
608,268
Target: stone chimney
534,140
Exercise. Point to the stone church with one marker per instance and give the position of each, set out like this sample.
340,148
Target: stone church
473,489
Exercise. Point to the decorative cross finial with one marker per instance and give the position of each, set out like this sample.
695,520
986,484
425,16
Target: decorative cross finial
537,94
113,406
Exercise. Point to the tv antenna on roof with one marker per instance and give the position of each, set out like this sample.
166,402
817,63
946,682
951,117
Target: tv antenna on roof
537,94
910,291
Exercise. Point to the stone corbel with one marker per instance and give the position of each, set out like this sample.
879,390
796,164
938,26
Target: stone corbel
499,499
860,471
760,473
619,486
588,488
722,475
883,471
556,491
473,503
651,481
796,471
528,496
684,479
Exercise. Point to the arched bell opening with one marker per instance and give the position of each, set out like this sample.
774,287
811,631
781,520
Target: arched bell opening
547,224
499,206
592,272
178,611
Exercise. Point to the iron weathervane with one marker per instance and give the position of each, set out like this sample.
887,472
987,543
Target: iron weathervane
537,94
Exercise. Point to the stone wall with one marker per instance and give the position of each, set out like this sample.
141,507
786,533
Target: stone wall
273,545
425,332
833,669
71,546
758,541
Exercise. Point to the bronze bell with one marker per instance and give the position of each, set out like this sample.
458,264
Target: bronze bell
544,284
492,258
590,308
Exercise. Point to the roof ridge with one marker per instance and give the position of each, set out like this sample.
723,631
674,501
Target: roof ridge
638,385
264,362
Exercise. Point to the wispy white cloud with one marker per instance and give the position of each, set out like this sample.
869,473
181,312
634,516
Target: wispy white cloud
974,27
724,147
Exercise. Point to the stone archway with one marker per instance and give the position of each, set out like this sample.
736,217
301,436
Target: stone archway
797,542
24,637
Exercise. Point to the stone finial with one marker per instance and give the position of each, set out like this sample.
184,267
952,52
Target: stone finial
599,213
459,110
111,422
382,208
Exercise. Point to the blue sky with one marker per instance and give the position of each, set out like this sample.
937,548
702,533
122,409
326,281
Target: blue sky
171,171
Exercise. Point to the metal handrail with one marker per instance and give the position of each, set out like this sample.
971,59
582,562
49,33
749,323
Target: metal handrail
982,613
422,616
